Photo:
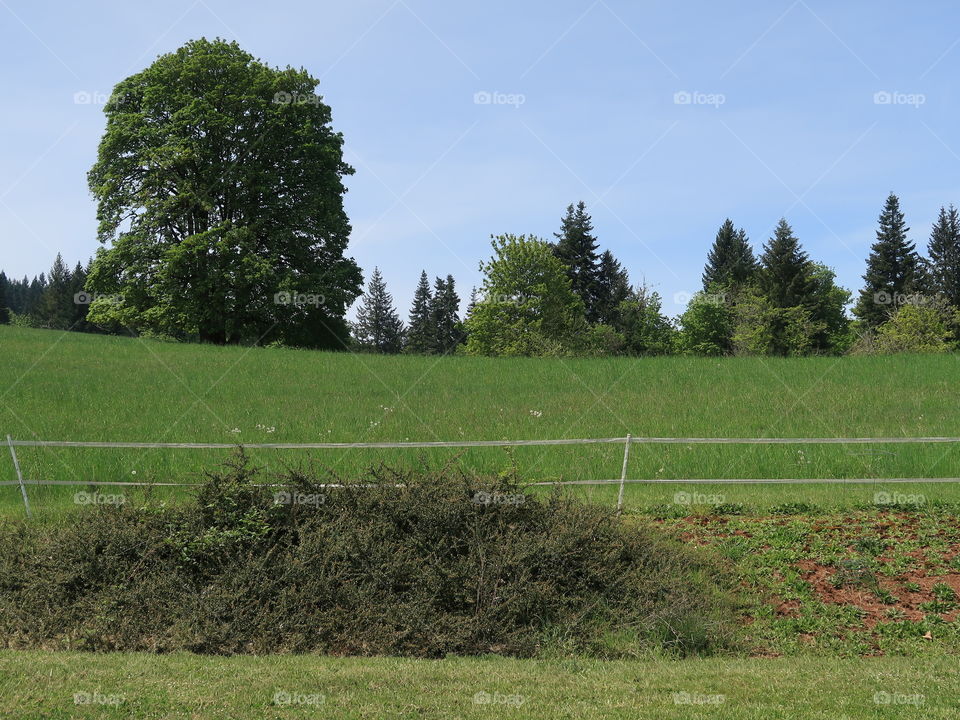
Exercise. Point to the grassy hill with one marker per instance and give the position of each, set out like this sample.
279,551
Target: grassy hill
64,386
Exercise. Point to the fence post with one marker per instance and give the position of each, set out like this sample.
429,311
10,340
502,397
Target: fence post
16,465
623,474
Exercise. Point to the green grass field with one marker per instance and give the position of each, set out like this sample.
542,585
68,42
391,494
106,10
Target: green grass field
43,685
902,606
66,386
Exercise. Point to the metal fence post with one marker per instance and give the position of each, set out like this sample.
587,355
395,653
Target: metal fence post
623,474
16,465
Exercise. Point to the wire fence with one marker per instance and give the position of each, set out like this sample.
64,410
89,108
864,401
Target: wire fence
627,442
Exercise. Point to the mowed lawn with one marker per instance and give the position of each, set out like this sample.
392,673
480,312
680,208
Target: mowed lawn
68,386
44,685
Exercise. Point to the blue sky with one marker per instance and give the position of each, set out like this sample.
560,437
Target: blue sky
663,117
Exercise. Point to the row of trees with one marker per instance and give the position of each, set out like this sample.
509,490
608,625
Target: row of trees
219,184
567,297
55,300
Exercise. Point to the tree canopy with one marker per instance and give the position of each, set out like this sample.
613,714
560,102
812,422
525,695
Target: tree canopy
219,189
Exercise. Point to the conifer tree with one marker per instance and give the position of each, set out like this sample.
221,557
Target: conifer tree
612,288
378,327
786,277
944,252
420,327
445,321
731,261
894,269
56,306
4,309
576,246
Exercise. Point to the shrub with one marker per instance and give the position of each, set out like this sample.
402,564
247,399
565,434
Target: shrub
420,565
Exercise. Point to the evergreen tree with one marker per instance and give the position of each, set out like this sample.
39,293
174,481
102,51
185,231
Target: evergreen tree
378,327
894,269
730,261
782,313
612,288
56,305
4,309
444,318
576,246
944,251
420,328
78,280
786,276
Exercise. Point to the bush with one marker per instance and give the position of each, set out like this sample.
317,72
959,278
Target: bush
399,564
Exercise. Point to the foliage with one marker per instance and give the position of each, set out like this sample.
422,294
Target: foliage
219,183
730,262
378,327
444,307
944,252
528,305
577,248
894,268
420,330
646,330
707,324
917,329
418,564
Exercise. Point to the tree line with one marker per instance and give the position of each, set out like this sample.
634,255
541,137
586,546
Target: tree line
567,297
219,184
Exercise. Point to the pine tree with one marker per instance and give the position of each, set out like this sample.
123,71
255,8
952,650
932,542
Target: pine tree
56,307
577,247
4,309
420,328
730,261
612,288
894,269
444,309
78,281
944,252
378,327
786,275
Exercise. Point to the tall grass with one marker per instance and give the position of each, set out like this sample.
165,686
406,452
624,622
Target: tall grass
65,386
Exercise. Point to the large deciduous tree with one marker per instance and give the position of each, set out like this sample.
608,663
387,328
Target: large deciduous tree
219,184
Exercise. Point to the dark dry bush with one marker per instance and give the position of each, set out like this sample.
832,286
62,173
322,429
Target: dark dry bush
418,564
